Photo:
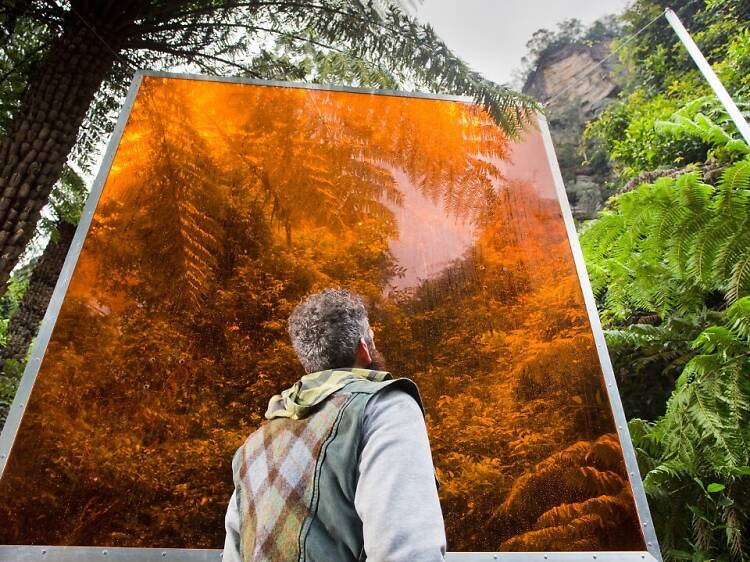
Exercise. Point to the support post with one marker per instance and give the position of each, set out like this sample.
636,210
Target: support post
709,74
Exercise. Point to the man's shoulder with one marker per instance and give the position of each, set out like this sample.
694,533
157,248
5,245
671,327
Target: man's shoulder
393,414
388,391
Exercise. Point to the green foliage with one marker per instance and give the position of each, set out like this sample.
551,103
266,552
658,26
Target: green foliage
670,245
22,43
669,263
658,78
290,59
66,202
706,121
734,65
19,281
625,132
12,370
401,43
656,60
696,457
649,357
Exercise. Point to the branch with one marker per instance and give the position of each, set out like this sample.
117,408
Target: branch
167,14
247,28
21,63
156,46
303,5
189,55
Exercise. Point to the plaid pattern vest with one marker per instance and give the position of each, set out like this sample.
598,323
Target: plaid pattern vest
295,481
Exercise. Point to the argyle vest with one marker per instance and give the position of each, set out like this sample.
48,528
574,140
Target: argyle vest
295,481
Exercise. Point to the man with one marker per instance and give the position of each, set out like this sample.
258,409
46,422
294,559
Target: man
342,471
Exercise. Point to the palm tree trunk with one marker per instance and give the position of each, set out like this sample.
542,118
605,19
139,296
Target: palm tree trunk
25,322
43,132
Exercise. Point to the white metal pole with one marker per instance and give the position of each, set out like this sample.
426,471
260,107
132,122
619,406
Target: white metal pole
710,75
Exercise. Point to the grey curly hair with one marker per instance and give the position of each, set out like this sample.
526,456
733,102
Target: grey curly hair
326,327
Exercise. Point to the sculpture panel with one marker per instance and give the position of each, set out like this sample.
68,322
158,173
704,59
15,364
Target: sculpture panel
225,204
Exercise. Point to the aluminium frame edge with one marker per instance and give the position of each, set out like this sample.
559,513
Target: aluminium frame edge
106,554
35,553
613,394
305,86
26,385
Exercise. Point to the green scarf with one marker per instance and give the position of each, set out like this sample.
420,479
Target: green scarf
303,397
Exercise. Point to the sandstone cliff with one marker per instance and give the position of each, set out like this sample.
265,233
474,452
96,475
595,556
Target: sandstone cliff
573,96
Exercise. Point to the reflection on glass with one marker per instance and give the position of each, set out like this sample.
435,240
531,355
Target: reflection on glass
225,205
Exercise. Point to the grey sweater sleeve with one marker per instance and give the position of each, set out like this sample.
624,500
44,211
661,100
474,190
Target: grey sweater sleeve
396,495
232,526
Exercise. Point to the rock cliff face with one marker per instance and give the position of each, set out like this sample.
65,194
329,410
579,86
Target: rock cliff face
574,92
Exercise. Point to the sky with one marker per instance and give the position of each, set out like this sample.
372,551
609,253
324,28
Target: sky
491,35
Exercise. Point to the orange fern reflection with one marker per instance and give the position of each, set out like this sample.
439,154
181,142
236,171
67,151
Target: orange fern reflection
226,204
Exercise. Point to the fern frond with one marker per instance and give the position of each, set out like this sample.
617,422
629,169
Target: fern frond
608,507
690,121
733,190
717,339
738,316
731,264
739,282
705,252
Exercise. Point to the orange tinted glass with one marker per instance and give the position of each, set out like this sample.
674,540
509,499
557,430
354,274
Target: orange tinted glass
225,205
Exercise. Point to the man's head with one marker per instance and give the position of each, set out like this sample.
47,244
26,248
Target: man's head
330,330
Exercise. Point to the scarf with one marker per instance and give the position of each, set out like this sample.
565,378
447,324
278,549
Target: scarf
304,396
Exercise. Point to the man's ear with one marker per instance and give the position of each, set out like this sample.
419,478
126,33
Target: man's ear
362,354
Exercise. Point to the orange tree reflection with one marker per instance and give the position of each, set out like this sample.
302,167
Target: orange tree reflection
225,205
519,424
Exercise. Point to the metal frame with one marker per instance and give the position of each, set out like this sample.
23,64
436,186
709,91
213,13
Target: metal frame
708,73
615,402
32,553
104,554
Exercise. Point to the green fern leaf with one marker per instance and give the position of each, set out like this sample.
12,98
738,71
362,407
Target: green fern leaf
738,316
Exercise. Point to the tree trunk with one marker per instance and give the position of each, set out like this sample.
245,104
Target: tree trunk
44,130
24,324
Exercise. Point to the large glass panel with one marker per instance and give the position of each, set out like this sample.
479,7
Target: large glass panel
225,205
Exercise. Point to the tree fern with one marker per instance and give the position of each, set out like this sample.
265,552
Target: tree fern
706,120
678,250
697,455
669,243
